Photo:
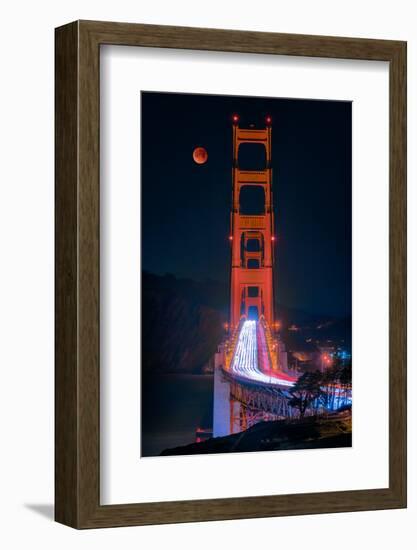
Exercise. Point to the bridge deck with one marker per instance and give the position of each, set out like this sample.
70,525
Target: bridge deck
246,360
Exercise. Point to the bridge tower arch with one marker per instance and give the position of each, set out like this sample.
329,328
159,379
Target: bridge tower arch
252,235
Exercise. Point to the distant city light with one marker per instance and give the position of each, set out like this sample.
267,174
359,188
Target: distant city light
327,359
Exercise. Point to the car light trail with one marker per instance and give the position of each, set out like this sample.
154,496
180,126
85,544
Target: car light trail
245,360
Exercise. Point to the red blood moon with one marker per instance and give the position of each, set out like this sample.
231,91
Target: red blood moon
200,155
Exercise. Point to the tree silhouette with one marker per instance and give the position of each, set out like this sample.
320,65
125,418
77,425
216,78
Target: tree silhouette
336,383
305,391
346,378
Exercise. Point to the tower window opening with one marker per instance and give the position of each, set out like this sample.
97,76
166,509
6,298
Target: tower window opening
253,313
252,200
253,245
251,156
253,263
253,291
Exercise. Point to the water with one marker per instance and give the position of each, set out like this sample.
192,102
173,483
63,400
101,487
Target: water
173,407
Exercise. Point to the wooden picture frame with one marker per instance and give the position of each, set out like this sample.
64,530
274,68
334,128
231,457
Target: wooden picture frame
77,404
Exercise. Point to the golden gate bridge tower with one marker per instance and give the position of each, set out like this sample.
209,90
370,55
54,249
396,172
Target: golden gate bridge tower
251,380
252,236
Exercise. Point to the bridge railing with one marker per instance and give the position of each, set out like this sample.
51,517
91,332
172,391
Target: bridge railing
272,345
230,345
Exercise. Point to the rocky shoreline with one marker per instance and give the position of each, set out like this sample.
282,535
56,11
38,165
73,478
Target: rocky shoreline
330,431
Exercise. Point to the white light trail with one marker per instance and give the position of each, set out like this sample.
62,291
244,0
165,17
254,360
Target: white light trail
245,360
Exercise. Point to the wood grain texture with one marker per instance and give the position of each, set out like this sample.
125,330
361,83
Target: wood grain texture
78,285
66,237
398,273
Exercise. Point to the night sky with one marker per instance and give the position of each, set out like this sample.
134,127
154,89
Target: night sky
186,207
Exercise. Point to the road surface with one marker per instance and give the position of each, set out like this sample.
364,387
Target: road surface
245,360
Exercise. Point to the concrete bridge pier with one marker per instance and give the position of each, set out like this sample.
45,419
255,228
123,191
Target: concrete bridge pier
221,401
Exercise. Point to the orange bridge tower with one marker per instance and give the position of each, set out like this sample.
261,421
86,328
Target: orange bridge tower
252,235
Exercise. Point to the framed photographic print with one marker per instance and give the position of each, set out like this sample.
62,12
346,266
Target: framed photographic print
230,274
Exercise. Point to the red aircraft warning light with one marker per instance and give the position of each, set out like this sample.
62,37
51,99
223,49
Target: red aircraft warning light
268,119
235,118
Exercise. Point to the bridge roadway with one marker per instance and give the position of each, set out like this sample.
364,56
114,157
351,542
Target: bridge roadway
245,364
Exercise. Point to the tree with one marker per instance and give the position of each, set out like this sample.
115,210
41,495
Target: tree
305,391
346,378
336,383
